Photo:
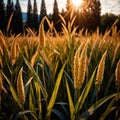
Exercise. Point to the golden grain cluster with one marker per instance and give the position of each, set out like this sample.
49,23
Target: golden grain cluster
20,87
80,66
1,83
117,74
100,71
44,56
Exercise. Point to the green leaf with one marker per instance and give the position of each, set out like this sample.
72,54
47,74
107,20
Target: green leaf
13,92
109,109
28,82
31,97
54,94
22,113
69,78
107,113
95,106
84,94
38,93
44,92
59,114
64,108
15,95
27,85
71,105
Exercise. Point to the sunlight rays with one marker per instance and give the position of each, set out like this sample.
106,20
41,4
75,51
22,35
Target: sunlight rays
76,3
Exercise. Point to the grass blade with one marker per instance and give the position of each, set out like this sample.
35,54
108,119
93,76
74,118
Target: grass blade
44,92
71,105
109,109
12,90
84,94
95,106
59,114
22,113
38,96
54,94
31,99
9,22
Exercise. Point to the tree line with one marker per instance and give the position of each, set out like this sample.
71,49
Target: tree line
87,16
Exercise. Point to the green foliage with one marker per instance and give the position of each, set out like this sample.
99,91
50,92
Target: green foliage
2,16
47,75
108,20
90,11
54,94
29,22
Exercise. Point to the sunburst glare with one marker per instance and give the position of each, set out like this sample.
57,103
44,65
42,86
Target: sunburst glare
76,3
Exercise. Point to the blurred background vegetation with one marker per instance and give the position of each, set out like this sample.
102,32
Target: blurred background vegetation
87,16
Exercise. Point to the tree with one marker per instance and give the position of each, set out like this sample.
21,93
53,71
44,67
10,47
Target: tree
96,11
90,12
107,20
10,10
55,7
43,13
35,16
18,24
55,17
29,22
2,16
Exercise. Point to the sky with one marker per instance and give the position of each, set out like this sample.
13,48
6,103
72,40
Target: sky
108,6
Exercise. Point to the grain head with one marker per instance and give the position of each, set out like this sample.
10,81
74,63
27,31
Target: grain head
20,87
100,71
117,75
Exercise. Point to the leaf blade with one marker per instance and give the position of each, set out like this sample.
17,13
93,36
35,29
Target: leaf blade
71,105
54,94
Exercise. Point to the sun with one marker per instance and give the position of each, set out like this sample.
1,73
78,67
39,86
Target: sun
76,3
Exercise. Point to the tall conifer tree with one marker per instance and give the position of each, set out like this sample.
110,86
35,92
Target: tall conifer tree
2,16
97,12
43,13
55,17
10,10
35,16
18,28
29,22
55,7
